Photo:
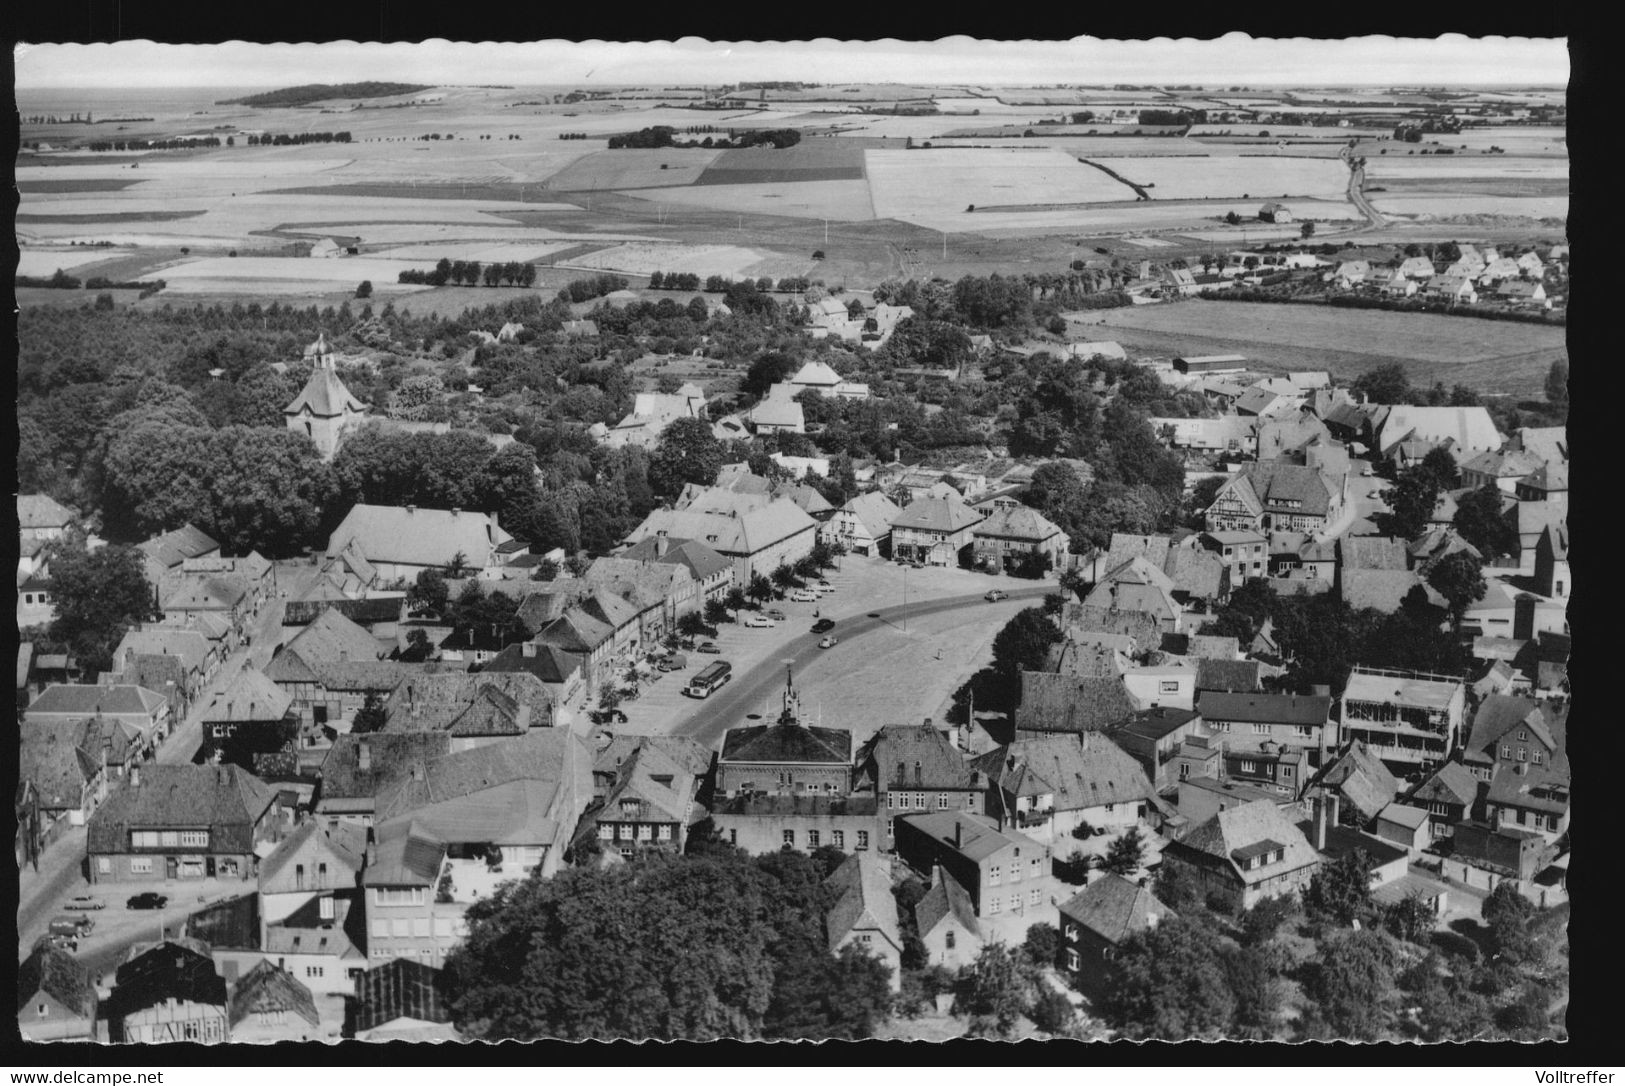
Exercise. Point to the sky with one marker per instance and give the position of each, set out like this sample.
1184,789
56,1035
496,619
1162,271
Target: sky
1235,58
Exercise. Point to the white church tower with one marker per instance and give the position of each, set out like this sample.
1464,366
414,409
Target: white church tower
325,410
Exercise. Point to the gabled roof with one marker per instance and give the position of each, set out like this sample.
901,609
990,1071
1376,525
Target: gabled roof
1453,783
1081,771
865,900
468,703
329,639
1499,714
174,547
345,844
730,531
1068,703
250,696
265,989
874,511
946,514
83,699
53,757
1237,832
701,561
1298,709
169,970
1114,908
189,646
978,836
227,799
400,988
1538,788
1277,482
1384,590
577,631
40,511
946,897
1469,427
547,662
1239,676
153,673
1372,552
420,537
1552,475
1508,464
57,974
1362,779
912,755
390,757
1125,547
817,374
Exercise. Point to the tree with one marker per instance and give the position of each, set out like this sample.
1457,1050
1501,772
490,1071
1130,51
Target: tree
98,596
1042,945
1410,918
692,624
735,600
687,453
370,717
716,612
1459,578
458,567
429,592
1023,645
1386,384
1232,218
1341,891
761,589
1412,500
994,990
1169,982
819,996
1257,993
1480,521
1307,230
1125,854
1506,913
1557,383
365,289
1352,984
1441,467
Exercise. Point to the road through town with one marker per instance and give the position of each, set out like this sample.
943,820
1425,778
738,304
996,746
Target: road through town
749,690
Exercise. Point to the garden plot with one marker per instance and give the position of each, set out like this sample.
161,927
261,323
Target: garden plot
847,201
31,261
288,275
914,186
1444,206
1264,177
647,257
660,168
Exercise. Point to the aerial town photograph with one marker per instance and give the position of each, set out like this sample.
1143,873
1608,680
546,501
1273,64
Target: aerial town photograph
877,541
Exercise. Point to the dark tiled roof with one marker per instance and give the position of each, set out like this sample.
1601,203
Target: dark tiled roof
812,806
890,757
1239,676
469,703
788,742
548,663
399,988
233,923
226,798
173,548
1069,703
701,560
1156,723
1362,779
1081,771
88,700
945,896
1342,841
54,758
265,989
167,971
1264,708
1114,908
1143,626
1373,552
391,757
1383,590
58,975
865,899
367,612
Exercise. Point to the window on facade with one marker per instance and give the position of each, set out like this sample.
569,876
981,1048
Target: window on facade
1249,767
812,838
838,838
606,832
948,940
104,865
1261,729
1034,897
790,838
314,970
1523,735
1537,757
1221,726
196,839
1168,686
1037,868
995,874
942,801
663,833
1286,772
645,832
863,838
1523,754
380,928
141,865
733,837
1506,752
1184,770
1072,960
400,927
144,839
993,904
891,801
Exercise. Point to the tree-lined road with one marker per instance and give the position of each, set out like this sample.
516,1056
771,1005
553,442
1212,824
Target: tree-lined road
728,707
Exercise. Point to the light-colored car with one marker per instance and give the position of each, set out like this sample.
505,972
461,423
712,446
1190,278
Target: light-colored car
84,901
828,643
760,622
821,586
995,595
804,595
1367,471
708,647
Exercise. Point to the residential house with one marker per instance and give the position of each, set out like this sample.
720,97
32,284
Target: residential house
143,709
582,637
1169,683
1349,273
358,768
183,595
913,767
1098,919
1246,721
1053,703
1199,796
1274,494
864,913
1154,738
1469,429
270,1004
1534,800
194,652
1502,468
1243,552
1550,443
1362,787
652,413
402,1000
1211,365
659,593
1227,432
1548,484
168,551
251,715
1385,590
315,868
1275,212
755,537
559,671
63,767
474,708
1012,536
1373,552
1245,853
1234,676
166,994
1553,577
41,518
400,542
819,377
773,416
936,531
1007,874
1411,720
183,822
946,920
1483,854
1499,269
330,667
454,829
1048,788
711,572
580,329
1406,826
1417,267
1138,585
1513,733
1144,627
56,1000
1385,862
863,525
647,794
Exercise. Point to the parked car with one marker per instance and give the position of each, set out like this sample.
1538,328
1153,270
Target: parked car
804,595
776,616
823,624
759,622
64,942
822,586
74,927
709,647
147,900
675,662
828,643
84,901
995,595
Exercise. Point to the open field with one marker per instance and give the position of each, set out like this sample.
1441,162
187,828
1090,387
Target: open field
909,185
1531,140
646,257
669,166
844,200
1441,205
53,185
817,160
1432,167
457,250
279,275
1262,177
46,261
1490,356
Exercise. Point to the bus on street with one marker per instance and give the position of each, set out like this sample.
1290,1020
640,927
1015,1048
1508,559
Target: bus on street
710,678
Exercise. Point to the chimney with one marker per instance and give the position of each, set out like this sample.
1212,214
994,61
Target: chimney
528,649
363,757
412,699
959,833
135,776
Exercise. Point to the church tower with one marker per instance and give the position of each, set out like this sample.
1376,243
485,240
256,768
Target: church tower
325,410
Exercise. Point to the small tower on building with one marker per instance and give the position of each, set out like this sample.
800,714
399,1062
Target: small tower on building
325,410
